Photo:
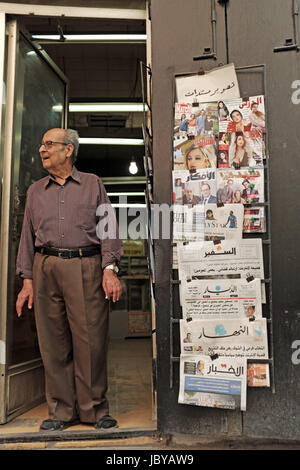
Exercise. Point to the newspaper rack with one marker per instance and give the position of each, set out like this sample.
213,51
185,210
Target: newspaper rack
266,241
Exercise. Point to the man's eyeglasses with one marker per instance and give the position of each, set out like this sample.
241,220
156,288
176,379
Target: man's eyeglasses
49,144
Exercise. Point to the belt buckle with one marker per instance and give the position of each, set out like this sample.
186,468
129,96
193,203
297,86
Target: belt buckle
64,254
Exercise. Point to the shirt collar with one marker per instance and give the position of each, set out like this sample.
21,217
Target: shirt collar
75,175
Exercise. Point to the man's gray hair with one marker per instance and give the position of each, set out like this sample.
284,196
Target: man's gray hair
72,137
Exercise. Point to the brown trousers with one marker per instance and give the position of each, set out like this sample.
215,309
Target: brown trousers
72,324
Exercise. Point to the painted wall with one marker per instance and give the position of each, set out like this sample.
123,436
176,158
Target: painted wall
181,30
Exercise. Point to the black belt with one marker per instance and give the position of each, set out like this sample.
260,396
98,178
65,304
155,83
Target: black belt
67,253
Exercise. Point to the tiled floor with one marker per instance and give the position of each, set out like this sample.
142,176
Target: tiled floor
129,394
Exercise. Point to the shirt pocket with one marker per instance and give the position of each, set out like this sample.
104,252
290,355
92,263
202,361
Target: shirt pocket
86,216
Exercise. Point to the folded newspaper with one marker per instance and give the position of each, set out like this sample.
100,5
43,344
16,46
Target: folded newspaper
219,383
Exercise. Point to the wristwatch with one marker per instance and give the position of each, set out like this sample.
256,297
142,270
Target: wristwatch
113,267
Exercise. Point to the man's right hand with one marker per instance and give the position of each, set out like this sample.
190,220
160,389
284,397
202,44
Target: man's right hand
26,293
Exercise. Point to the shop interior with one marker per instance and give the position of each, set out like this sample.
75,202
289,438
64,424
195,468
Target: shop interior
99,72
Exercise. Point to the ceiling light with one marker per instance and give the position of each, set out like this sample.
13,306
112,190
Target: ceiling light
117,38
107,107
129,205
133,169
103,107
126,194
109,141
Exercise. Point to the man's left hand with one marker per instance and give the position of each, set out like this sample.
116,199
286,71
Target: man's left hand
111,285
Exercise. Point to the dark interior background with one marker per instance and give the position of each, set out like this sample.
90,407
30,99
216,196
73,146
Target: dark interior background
101,73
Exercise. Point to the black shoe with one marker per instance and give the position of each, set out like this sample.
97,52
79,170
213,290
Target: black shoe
57,425
106,422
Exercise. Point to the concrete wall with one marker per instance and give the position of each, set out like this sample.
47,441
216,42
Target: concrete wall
180,30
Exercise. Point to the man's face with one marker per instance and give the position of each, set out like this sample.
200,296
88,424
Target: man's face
56,156
189,193
250,311
205,191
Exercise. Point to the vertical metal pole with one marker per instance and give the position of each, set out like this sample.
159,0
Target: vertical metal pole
172,248
226,33
214,23
295,21
6,197
2,318
271,345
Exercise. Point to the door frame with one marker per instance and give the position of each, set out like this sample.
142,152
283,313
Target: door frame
12,376
37,10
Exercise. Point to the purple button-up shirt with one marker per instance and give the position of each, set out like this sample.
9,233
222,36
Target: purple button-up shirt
64,216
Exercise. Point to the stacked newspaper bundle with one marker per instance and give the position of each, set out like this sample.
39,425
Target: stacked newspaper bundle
218,178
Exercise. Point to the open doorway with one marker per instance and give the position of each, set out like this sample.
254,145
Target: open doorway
99,72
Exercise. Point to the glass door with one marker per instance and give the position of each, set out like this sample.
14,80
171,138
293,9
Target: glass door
36,94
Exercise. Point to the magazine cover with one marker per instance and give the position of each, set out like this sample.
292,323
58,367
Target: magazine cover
242,129
195,120
219,383
245,150
194,220
190,194
194,188
195,137
223,223
240,150
188,223
254,220
240,186
258,375
223,150
243,115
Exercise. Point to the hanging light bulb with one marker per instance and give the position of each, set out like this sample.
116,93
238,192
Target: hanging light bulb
133,169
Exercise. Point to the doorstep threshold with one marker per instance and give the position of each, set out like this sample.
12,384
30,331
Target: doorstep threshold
66,435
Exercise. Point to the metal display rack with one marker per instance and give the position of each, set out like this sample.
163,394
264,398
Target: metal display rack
148,168
266,243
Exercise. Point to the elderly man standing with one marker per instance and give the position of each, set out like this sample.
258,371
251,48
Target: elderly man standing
69,273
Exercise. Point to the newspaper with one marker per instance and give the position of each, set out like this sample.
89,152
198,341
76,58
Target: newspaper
223,298
204,260
219,383
175,256
228,259
229,338
217,84
240,186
